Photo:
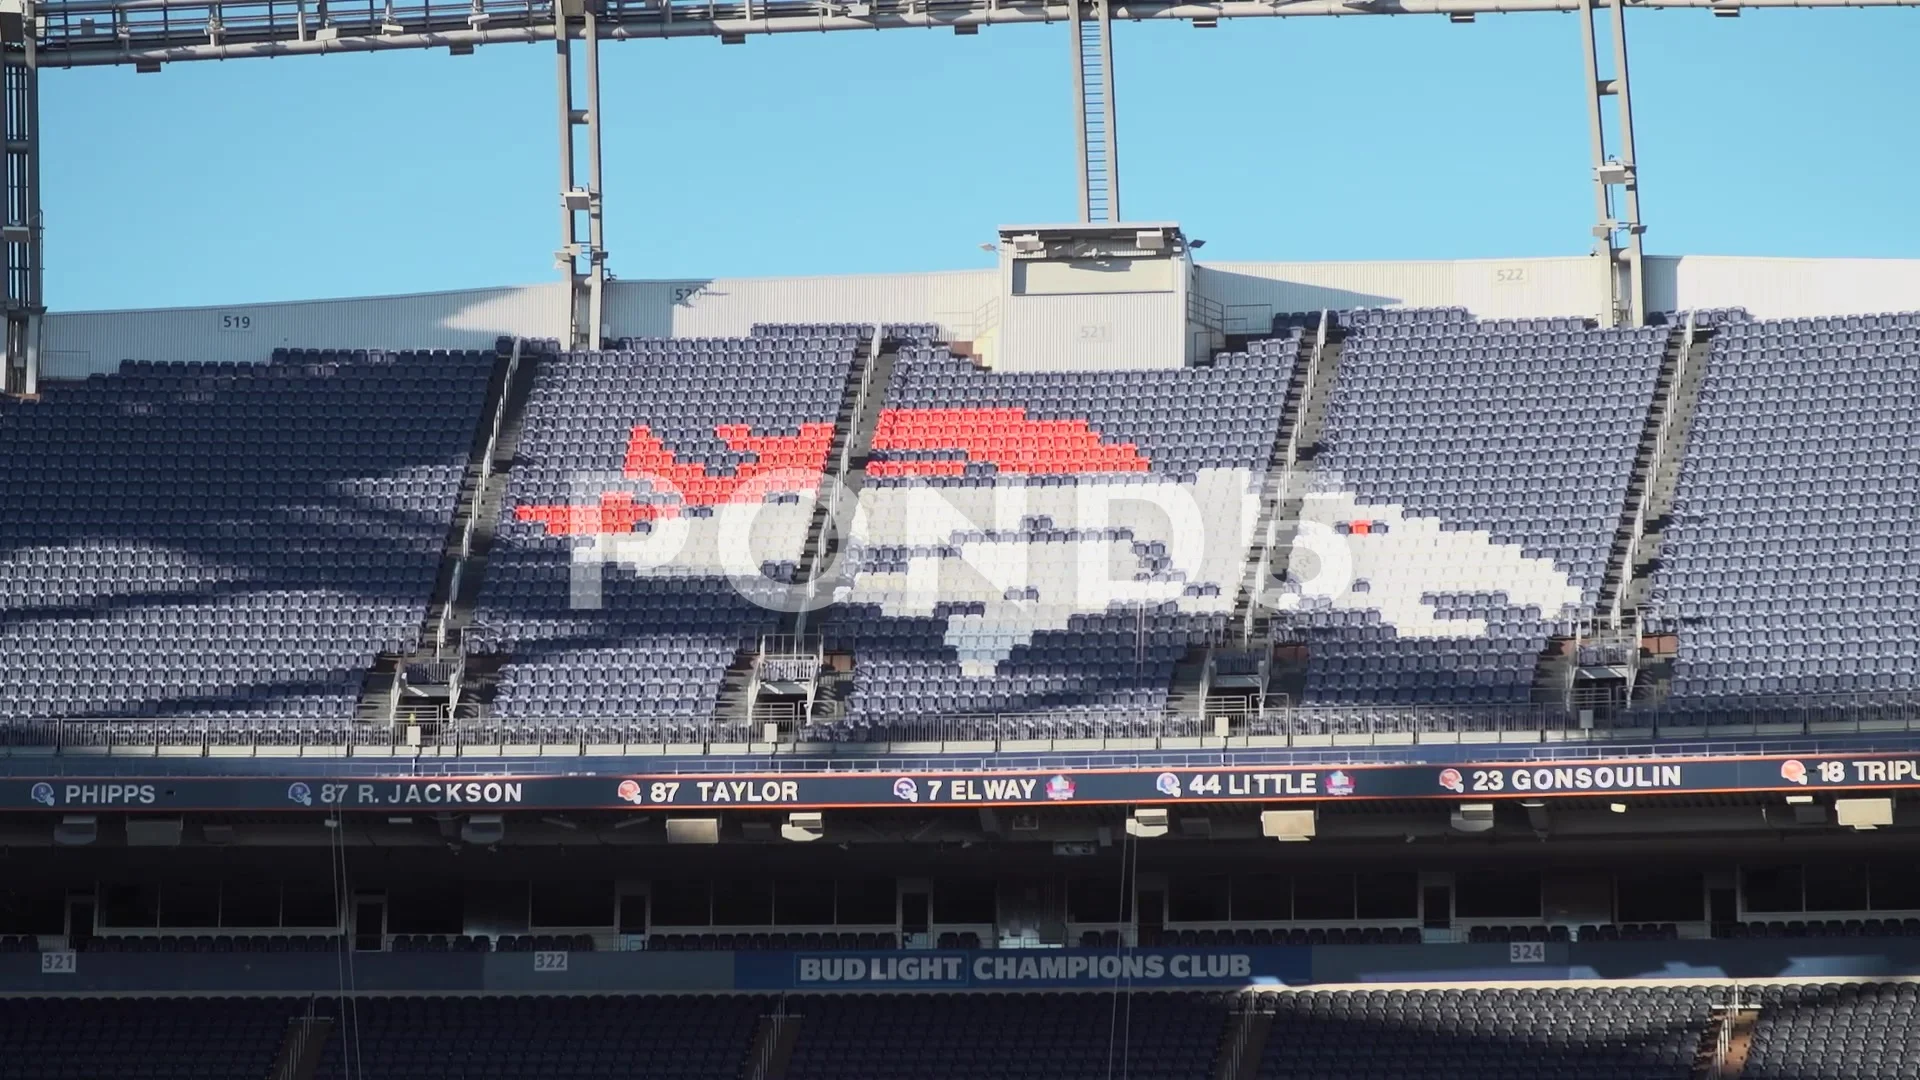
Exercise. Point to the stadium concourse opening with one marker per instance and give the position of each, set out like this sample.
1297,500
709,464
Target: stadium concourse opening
1676,940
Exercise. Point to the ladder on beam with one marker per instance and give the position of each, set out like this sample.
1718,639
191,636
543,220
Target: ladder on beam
1092,33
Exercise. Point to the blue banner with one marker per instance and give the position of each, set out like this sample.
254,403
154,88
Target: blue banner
403,791
1020,969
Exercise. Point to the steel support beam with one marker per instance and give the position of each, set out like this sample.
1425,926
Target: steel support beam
582,254
1617,228
1095,121
87,33
21,232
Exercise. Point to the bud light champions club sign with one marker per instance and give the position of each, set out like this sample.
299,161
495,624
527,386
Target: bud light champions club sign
1019,968
986,787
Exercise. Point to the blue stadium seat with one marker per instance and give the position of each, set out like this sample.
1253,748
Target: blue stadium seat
226,540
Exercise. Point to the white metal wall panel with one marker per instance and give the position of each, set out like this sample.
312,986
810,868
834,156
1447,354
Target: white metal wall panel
1661,282
1245,287
1792,288
81,343
1490,288
1092,333
719,307
1517,288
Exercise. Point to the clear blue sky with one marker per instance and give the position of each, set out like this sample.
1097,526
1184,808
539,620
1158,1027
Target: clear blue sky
1778,133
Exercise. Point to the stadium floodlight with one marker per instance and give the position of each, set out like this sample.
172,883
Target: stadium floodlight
1290,826
483,829
1863,814
327,33
1459,17
76,830
1537,816
1618,808
802,827
1148,821
1807,812
693,830
1472,817
154,832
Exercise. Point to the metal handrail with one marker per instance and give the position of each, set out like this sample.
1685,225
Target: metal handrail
479,500
786,645
472,758
1291,461
1206,311
840,471
296,1042
1681,366
393,691
1206,681
1342,730
1728,1019
973,325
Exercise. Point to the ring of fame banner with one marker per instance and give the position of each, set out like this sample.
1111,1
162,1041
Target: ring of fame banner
831,790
